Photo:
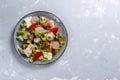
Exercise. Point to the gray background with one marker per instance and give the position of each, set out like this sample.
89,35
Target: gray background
93,51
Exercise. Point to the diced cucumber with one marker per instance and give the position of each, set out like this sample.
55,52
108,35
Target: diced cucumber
31,60
43,21
57,49
42,58
20,38
57,36
38,50
50,47
23,29
61,43
21,50
29,41
43,38
37,35
39,46
23,24
20,32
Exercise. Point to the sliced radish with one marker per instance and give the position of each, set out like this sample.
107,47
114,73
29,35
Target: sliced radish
25,35
54,44
50,36
40,30
37,40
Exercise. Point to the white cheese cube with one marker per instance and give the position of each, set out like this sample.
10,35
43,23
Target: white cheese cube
47,55
28,21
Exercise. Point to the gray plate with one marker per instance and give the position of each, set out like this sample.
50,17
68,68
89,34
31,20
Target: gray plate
58,23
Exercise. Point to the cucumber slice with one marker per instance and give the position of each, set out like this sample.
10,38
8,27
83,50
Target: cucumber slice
20,50
20,32
20,38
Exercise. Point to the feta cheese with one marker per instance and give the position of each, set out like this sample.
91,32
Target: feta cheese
28,51
47,55
28,21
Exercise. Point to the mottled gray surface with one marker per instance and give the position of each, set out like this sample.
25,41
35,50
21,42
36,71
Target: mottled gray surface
93,51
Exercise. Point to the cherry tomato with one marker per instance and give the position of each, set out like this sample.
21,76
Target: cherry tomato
54,30
32,27
36,55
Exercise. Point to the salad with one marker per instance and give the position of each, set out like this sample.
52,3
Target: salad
40,38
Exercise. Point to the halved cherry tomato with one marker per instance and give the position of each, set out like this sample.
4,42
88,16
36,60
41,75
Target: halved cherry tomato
54,30
31,37
32,27
36,55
